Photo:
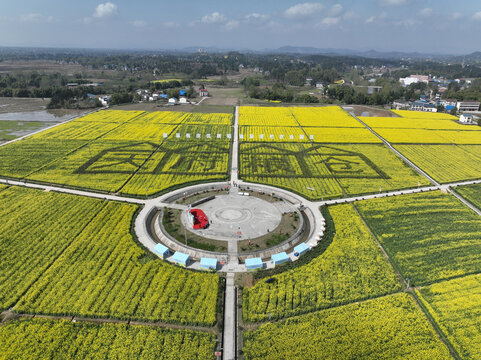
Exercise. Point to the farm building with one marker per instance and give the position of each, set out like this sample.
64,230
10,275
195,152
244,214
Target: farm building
203,92
466,119
173,101
401,104
468,105
423,106
183,100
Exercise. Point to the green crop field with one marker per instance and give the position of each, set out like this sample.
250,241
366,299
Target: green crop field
430,236
325,171
84,261
456,307
445,163
352,268
472,193
132,152
47,339
391,327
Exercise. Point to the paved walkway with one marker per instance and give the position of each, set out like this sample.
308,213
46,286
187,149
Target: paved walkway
230,319
234,176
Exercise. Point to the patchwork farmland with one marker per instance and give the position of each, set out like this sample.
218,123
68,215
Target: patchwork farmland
390,264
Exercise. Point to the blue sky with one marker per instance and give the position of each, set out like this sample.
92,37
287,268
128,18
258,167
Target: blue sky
440,26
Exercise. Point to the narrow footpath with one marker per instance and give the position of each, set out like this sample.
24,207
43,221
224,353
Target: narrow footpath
230,323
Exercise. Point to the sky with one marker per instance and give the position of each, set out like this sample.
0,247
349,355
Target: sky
427,26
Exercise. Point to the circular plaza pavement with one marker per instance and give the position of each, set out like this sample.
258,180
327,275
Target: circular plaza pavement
237,217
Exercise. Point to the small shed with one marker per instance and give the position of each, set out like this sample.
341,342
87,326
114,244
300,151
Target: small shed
181,258
208,263
173,101
280,258
253,263
203,92
161,250
301,249
183,100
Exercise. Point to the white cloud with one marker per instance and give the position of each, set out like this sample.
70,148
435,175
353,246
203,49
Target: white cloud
230,25
426,12
214,18
335,10
350,15
457,16
370,20
392,2
170,24
31,17
477,16
407,23
105,10
330,21
303,10
139,23
256,17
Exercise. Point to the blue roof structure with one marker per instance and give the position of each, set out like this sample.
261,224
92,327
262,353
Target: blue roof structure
302,248
183,92
254,263
164,96
161,250
449,107
280,258
180,258
208,263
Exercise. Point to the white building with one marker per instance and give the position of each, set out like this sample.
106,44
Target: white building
468,105
319,85
466,119
172,101
104,100
422,106
183,100
448,102
401,104
414,79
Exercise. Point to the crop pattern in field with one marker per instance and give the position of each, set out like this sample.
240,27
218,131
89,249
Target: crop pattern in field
115,151
328,154
326,170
